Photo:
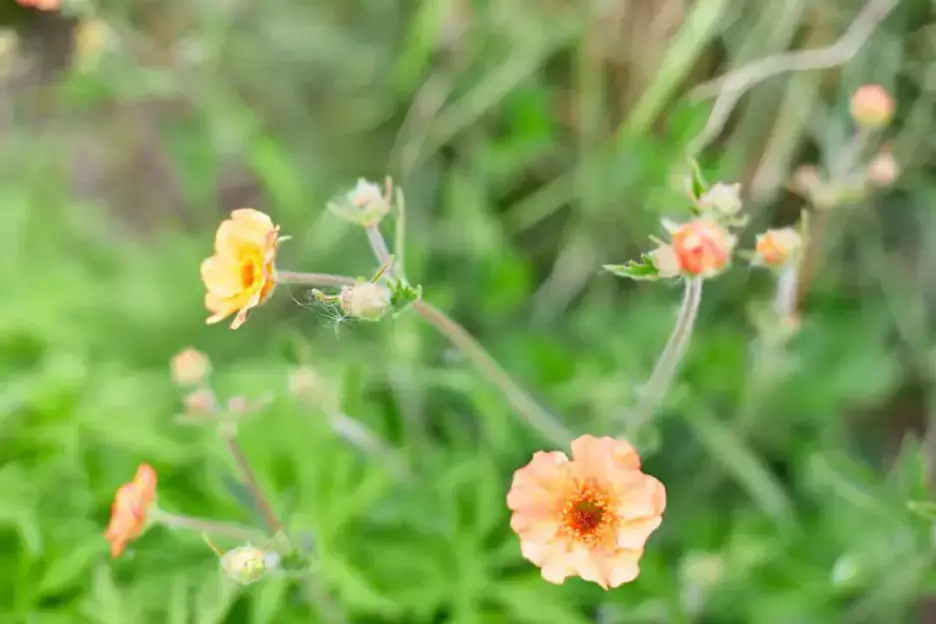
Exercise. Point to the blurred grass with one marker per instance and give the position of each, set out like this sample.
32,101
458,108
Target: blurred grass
535,141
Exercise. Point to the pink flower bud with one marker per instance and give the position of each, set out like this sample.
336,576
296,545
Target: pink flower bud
872,106
883,169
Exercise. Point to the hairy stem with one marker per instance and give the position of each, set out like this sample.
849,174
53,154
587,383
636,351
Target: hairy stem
250,482
314,279
668,362
233,531
536,416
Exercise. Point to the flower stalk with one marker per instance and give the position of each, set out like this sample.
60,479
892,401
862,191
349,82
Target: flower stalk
201,525
668,363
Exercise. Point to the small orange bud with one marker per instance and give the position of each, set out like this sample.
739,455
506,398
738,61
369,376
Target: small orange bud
883,169
190,367
872,106
131,504
775,247
200,402
703,248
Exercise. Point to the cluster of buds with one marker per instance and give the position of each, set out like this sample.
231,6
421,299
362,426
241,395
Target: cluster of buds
366,204
700,247
872,109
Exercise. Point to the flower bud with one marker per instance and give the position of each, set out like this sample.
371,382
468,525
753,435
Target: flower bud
368,198
200,402
304,383
723,200
774,248
367,301
190,367
665,261
883,169
872,106
702,247
247,564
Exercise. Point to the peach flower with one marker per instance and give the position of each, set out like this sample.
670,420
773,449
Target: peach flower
131,504
590,516
240,276
703,247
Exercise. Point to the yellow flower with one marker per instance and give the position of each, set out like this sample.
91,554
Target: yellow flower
589,516
240,275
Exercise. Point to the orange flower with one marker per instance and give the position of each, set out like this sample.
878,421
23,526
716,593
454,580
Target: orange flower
239,276
128,515
703,247
775,247
42,5
590,516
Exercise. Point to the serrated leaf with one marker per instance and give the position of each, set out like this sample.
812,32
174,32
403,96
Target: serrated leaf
402,295
698,184
640,271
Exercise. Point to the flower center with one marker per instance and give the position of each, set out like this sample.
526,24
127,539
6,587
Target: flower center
587,516
248,274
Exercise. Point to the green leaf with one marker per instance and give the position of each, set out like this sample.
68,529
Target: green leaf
698,184
926,509
641,271
402,295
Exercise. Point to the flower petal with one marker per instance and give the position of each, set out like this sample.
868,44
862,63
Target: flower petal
639,496
221,276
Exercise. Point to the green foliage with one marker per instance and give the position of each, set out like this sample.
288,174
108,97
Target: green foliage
529,159
642,270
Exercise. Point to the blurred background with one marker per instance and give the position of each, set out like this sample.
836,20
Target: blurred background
535,140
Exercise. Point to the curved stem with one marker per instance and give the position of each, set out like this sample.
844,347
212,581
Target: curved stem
253,486
314,279
673,352
175,521
536,416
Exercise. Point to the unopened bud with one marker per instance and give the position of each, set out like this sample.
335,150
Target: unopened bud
305,384
806,181
883,169
200,402
702,247
190,367
367,301
369,200
872,106
776,247
665,261
722,199
247,564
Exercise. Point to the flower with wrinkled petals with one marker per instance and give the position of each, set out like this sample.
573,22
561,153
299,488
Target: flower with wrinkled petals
589,516
665,261
131,504
240,275
703,248
775,247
